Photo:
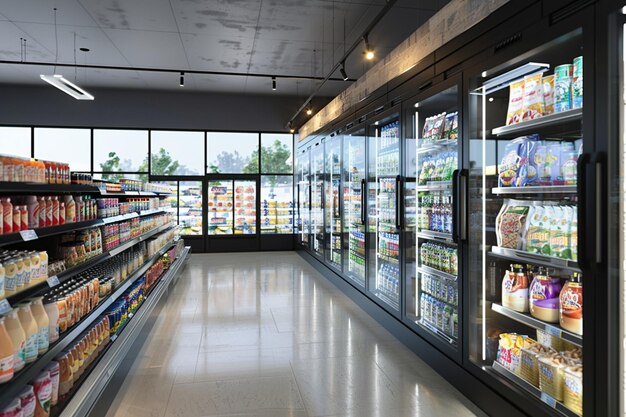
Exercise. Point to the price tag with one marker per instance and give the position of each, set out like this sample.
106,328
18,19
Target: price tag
5,307
554,331
53,281
113,338
28,235
548,400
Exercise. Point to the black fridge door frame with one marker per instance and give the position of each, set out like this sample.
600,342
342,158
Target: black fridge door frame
382,117
535,37
350,130
408,107
328,248
319,147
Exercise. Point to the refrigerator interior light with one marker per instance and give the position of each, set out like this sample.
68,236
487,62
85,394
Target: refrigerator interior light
66,86
504,80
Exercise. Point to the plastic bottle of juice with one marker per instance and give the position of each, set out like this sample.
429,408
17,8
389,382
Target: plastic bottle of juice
33,211
49,210
42,212
43,324
61,212
17,218
6,354
24,218
30,329
55,210
70,209
18,336
7,222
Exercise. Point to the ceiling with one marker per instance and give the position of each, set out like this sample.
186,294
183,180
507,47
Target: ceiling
283,37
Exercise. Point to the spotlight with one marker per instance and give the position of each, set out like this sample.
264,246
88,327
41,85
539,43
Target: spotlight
309,111
291,129
182,79
369,51
343,71
274,83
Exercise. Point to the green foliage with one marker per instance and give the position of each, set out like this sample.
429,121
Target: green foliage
111,165
162,164
273,160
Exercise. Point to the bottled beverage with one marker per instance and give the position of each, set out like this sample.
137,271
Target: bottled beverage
33,211
7,210
49,211
42,211
17,218
55,211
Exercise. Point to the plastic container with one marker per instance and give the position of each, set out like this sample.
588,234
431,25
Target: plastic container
6,354
18,337
28,401
552,374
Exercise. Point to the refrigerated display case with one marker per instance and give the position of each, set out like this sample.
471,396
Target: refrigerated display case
304,194
525,283
432,295
332,201
354,206
245,207
220,207
384,220
277,208
317,199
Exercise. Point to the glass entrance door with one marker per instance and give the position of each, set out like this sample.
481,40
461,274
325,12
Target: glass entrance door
317,199
334,251
232,207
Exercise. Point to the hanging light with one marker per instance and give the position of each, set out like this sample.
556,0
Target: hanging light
309,111
274,83
368,51
182,79
66,86
342,71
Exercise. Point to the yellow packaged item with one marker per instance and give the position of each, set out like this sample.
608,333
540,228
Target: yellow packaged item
573,389
533,98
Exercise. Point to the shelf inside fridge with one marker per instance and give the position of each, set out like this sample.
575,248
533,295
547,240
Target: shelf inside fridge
389,259
429,234
436,146
437,332
534,391
535,258
428,270
554,119
540,189
435,186
553,329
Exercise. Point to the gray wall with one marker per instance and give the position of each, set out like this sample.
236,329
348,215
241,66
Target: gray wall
46,106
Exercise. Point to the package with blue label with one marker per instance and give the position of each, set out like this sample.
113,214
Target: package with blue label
518,166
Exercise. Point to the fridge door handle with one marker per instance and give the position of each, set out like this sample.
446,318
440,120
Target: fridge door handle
583,162
599,200
363,201
398,201
462,204
455,208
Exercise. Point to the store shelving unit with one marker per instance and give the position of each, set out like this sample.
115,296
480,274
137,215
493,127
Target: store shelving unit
36,188
539,189
535,258
554,119
30,371
429,234
435,186
432,271
553,329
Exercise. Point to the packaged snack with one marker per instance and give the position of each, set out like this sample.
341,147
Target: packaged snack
562,88
552,164
551,373
540,162
544,297
538,232
529,362
548,340
426,132
509,350
516,103
499,222
512,224
573,388
508,168
548,94
569,162
577,83
533,97
515,289
527,172
559,233
571,305
451,126
438,127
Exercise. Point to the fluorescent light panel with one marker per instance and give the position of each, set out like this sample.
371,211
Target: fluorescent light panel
67,86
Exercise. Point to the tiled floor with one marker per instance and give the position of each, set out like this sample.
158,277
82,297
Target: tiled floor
265,335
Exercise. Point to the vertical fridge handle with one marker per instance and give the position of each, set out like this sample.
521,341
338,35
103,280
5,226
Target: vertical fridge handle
583,162
398,201
363,201
459,205
455,209
599,200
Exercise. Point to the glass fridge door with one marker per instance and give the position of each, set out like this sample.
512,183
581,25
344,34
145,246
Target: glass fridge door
304,195
317,199
433,279
354,206
245,207
384,212
526,287
220,207
332,199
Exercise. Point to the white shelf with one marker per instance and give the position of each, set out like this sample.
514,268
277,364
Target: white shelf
539,189
545,121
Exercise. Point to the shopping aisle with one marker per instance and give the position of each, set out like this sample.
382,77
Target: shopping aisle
264,334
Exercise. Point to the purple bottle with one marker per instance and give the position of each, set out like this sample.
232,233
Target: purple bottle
544,297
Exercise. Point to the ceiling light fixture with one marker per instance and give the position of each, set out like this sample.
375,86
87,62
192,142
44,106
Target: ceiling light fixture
309,111
67,86
274,83
368,51
291,129
342,71
182,79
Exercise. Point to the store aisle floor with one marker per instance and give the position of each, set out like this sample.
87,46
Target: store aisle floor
265,335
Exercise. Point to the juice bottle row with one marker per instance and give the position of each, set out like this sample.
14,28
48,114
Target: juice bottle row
440,257
389,245
389,136
438,167
439,288
20,270
434,212
439,314
388,279
16,169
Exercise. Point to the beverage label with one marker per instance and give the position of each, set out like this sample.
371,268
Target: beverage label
6,368
42,340
18,358
31,349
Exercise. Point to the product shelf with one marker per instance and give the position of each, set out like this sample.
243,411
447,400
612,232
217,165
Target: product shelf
388,259
435,186
554,119
30,371
535,258
432,271
553,329
437,332
27,187
539,189
534,391
77,269
429,234
41,232
387,297
436,146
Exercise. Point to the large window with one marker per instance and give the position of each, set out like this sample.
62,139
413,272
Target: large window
276,153
15,141
232,153
176,153
118,150
277,206
72,146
